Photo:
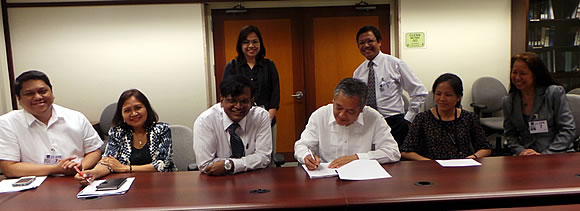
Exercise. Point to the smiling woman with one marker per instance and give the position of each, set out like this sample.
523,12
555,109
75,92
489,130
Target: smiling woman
137,143
446,131
537,119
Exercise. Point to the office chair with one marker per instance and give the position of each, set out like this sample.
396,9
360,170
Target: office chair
574,104
487,97
106,122
183,153
575,91
429,102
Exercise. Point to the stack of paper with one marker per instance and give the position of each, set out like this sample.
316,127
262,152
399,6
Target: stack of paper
355,170
6,185
321,171
91,189
458,163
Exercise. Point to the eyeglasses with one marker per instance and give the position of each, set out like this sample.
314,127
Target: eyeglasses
253,42
244,102
370,42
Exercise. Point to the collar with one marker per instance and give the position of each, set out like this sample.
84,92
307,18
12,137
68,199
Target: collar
359,120
226,121
29,118
377,60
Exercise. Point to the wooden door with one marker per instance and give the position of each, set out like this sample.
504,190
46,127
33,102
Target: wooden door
334,54
313,49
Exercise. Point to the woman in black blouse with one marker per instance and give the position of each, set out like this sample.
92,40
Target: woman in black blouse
251,62
446,131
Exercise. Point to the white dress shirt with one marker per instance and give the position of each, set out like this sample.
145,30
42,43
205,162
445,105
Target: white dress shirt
211,141
369,137
23,138
392,75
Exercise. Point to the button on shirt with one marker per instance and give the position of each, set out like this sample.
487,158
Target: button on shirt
211,140
392,75
23,138
369,137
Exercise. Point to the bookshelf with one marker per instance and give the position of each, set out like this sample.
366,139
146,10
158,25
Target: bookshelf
551,29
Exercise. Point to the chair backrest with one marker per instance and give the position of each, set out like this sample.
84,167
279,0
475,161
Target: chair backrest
106,120
575,91
488,91
574,104
183,154
429,101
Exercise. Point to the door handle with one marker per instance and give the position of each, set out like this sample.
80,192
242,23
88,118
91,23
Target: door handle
298,95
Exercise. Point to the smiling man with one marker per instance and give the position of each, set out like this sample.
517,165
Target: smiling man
44,138
233,135
386,77
346,130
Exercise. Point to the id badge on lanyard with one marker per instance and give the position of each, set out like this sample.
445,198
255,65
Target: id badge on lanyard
52,157
537,126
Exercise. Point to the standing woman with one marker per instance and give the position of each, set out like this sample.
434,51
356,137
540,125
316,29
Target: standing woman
446,131
262,72
137,142
537,119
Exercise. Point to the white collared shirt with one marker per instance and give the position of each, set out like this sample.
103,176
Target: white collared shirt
391,76
211,141
369,137
23,138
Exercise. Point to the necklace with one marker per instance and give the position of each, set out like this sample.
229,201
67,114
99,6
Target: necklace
439,115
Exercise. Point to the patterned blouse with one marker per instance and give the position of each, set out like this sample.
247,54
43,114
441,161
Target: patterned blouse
160,146
436,139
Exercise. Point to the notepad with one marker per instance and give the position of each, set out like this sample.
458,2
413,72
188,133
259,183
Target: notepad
458,163
91,189
6,185
355,170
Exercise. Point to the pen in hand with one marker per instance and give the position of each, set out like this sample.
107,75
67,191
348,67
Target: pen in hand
82,175
313,158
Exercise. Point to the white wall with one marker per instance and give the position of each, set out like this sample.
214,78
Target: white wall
92,54
470,38
5,100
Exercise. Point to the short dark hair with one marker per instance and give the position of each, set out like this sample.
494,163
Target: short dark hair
542,76
455,83
27,76
118,118
246,30
369,28
234,85
352,87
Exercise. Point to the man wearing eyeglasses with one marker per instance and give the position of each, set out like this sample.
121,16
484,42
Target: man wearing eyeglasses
233,135
386,76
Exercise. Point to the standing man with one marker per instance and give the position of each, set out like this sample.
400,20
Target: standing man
44,138
233,136
386,77
346,130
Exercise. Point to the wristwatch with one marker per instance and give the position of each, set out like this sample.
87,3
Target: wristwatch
228,165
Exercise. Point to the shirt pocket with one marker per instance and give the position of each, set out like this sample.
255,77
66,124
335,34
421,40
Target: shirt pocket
387,87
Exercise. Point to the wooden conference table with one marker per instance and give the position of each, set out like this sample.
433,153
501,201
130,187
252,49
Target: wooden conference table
499,182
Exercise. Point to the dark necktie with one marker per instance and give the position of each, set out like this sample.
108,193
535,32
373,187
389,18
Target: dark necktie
235,141
372,95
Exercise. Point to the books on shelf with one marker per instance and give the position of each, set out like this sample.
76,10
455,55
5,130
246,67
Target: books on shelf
541,10
541,37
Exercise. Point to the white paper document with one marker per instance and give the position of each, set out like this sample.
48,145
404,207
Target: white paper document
362,170
355,170
321,171
458,163
91,189
6,185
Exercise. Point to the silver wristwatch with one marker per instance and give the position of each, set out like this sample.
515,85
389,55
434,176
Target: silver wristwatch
228,165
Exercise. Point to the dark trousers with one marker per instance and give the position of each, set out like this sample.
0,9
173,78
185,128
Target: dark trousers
399,127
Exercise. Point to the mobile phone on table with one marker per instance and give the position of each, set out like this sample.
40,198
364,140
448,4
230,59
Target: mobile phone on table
24,181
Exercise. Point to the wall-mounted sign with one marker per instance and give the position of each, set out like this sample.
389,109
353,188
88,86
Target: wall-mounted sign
415,39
